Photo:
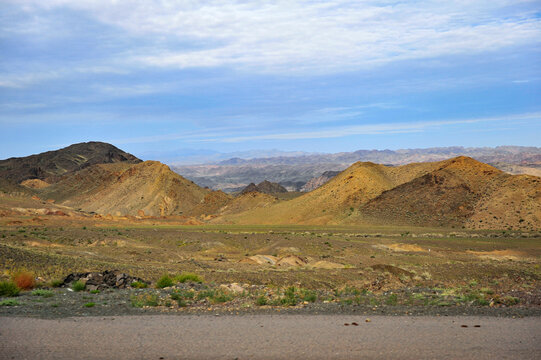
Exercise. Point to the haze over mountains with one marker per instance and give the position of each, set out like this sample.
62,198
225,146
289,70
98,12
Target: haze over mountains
293,172
456,192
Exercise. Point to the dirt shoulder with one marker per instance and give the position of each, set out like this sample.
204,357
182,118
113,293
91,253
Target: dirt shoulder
63,303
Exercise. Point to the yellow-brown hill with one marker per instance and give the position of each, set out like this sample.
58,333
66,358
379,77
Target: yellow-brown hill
455,192
127,189
248,201
327,204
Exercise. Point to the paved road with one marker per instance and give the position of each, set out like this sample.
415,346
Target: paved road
270,337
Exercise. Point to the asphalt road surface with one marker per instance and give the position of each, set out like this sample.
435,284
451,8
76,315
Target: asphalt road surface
270,337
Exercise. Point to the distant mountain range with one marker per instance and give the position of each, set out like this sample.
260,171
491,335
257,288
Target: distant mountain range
206,156
294,172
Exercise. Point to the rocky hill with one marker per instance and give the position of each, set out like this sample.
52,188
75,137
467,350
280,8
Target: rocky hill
50,166
455,192
462,192
146,188
265,187
316,182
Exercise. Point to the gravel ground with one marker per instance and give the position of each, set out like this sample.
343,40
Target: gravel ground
63,302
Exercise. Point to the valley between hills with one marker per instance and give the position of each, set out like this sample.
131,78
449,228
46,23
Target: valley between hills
453,235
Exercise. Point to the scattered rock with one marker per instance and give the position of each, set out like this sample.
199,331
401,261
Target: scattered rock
220,258
102,280
234,287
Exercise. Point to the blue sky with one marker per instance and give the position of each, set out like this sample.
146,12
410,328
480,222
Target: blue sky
318,76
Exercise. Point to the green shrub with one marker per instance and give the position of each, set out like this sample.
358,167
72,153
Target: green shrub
290,297
392,300
139,285
180,297
205,294
43,293
90,304
144,300
78,286
221,297
164,281
8,288
308,295
56,283
94,291
261,300
509,300
182,278
9,302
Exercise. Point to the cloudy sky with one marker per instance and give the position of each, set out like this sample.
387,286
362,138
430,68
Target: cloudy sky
323,76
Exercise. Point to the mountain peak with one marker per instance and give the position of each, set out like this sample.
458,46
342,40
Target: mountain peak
51,165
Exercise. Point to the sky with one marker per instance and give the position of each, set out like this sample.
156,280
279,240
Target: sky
167,76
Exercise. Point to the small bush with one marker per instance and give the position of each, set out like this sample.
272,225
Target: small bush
56,283
94,291
308,295
510,300
205,294
221,297
139,285
261,300
90,304
8,288
144,300
392,300
24,280
180,297
164,281
182,278
9,302
78,286
42,293
290,297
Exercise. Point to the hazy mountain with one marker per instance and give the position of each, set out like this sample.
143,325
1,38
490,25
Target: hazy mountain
293,172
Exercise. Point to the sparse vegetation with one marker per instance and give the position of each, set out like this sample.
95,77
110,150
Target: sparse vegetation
56,283
9,302
184,277
139,285
90,304
42,293
8,288
146,299
164,281
262,300
78,286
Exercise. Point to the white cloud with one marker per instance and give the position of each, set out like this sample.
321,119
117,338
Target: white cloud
309,36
